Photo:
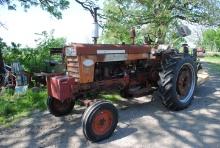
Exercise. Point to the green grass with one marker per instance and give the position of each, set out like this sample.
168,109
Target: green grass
111,96
13,107
213,61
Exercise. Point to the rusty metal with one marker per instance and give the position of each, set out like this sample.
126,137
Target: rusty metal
78,55
93,68
101,67
102,122
184,81
132,70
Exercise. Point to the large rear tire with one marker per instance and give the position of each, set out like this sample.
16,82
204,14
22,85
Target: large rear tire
58,108
177,82
99,121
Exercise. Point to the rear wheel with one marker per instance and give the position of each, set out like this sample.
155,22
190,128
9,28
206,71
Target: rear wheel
99,121
177,82
58,108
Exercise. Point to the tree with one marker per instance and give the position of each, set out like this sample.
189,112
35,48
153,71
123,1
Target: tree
211,40
2,45
54,7
33,59
159,15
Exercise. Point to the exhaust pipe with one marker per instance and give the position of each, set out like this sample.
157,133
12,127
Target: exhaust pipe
95,33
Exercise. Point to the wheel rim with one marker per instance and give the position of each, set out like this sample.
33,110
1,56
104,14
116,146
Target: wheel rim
61,106
185,82
102,122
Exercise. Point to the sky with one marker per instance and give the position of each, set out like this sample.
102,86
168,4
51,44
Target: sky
76,25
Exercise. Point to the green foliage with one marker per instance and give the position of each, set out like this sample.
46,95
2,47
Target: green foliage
42,52
214,62
12,107
2,44
213,59
211,40
160,16
53,7
111,96
33,59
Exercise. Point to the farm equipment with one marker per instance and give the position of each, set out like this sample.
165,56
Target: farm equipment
132,69
13,77
54,65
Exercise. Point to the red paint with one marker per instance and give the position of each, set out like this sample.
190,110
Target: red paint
91,49
102,122
61,87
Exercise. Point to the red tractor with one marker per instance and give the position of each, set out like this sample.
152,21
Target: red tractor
131,69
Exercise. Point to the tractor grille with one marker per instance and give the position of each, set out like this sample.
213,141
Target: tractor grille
73,67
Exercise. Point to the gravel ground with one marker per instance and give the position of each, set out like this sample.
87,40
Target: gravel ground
142,124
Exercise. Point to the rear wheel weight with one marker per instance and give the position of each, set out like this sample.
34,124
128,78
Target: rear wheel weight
177,83
100,121
58,108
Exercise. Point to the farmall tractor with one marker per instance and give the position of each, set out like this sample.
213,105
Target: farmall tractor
92,68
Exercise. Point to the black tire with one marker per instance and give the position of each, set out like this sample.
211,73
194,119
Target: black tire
101,112
88,109
182,71
58,108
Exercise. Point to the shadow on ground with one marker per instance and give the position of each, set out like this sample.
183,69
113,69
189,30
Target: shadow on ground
141,125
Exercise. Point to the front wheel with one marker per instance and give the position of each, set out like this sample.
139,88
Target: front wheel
177,82
99,121
58,108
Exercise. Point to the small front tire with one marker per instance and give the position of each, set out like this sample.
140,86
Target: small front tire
58,108
99,121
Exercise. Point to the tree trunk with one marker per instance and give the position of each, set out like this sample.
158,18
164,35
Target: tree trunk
2,69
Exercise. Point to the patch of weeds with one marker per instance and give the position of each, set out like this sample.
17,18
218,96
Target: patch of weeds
13,107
